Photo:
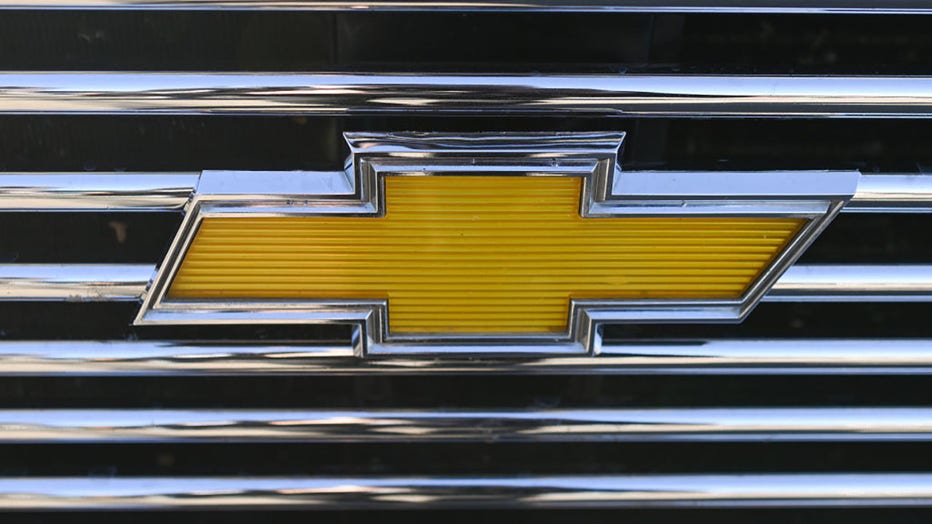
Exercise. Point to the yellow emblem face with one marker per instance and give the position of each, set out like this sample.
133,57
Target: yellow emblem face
487,243
479,254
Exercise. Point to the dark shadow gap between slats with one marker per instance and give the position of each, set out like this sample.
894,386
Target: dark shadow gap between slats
463,42
105,461
462,392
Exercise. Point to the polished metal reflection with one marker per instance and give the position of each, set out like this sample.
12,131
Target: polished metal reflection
892,193
726,357
74,282
593,491
570,425
340,94
638,6
854,283
96,191
876,193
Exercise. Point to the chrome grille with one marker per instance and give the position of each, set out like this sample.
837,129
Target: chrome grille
820,399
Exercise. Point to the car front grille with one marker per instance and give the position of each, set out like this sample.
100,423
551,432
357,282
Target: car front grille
109,111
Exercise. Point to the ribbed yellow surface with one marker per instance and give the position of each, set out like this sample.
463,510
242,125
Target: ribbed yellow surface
470,254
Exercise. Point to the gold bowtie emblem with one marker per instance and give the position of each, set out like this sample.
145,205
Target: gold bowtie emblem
486,243
479,254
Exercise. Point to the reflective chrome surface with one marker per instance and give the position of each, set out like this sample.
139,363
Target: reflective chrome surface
339,94
854,283
74,282
893,193
576,425
736,490
96,191
640,6
772,356
883,193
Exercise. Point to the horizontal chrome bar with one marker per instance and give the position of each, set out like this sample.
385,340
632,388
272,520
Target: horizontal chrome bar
74,282
639,6
887,193
340,94
854,283
576,425
772,356
805,283
95,191
892,193
728,490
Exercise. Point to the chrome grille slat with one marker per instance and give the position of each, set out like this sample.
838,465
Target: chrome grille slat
892,193
721,491
77,282
853,283
633,95
96,191
702,357
563,425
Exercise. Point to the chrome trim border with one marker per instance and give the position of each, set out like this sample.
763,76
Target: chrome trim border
813,195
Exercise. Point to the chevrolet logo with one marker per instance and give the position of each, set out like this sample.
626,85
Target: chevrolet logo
486,243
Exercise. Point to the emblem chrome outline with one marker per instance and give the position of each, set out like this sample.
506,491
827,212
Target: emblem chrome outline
607,191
